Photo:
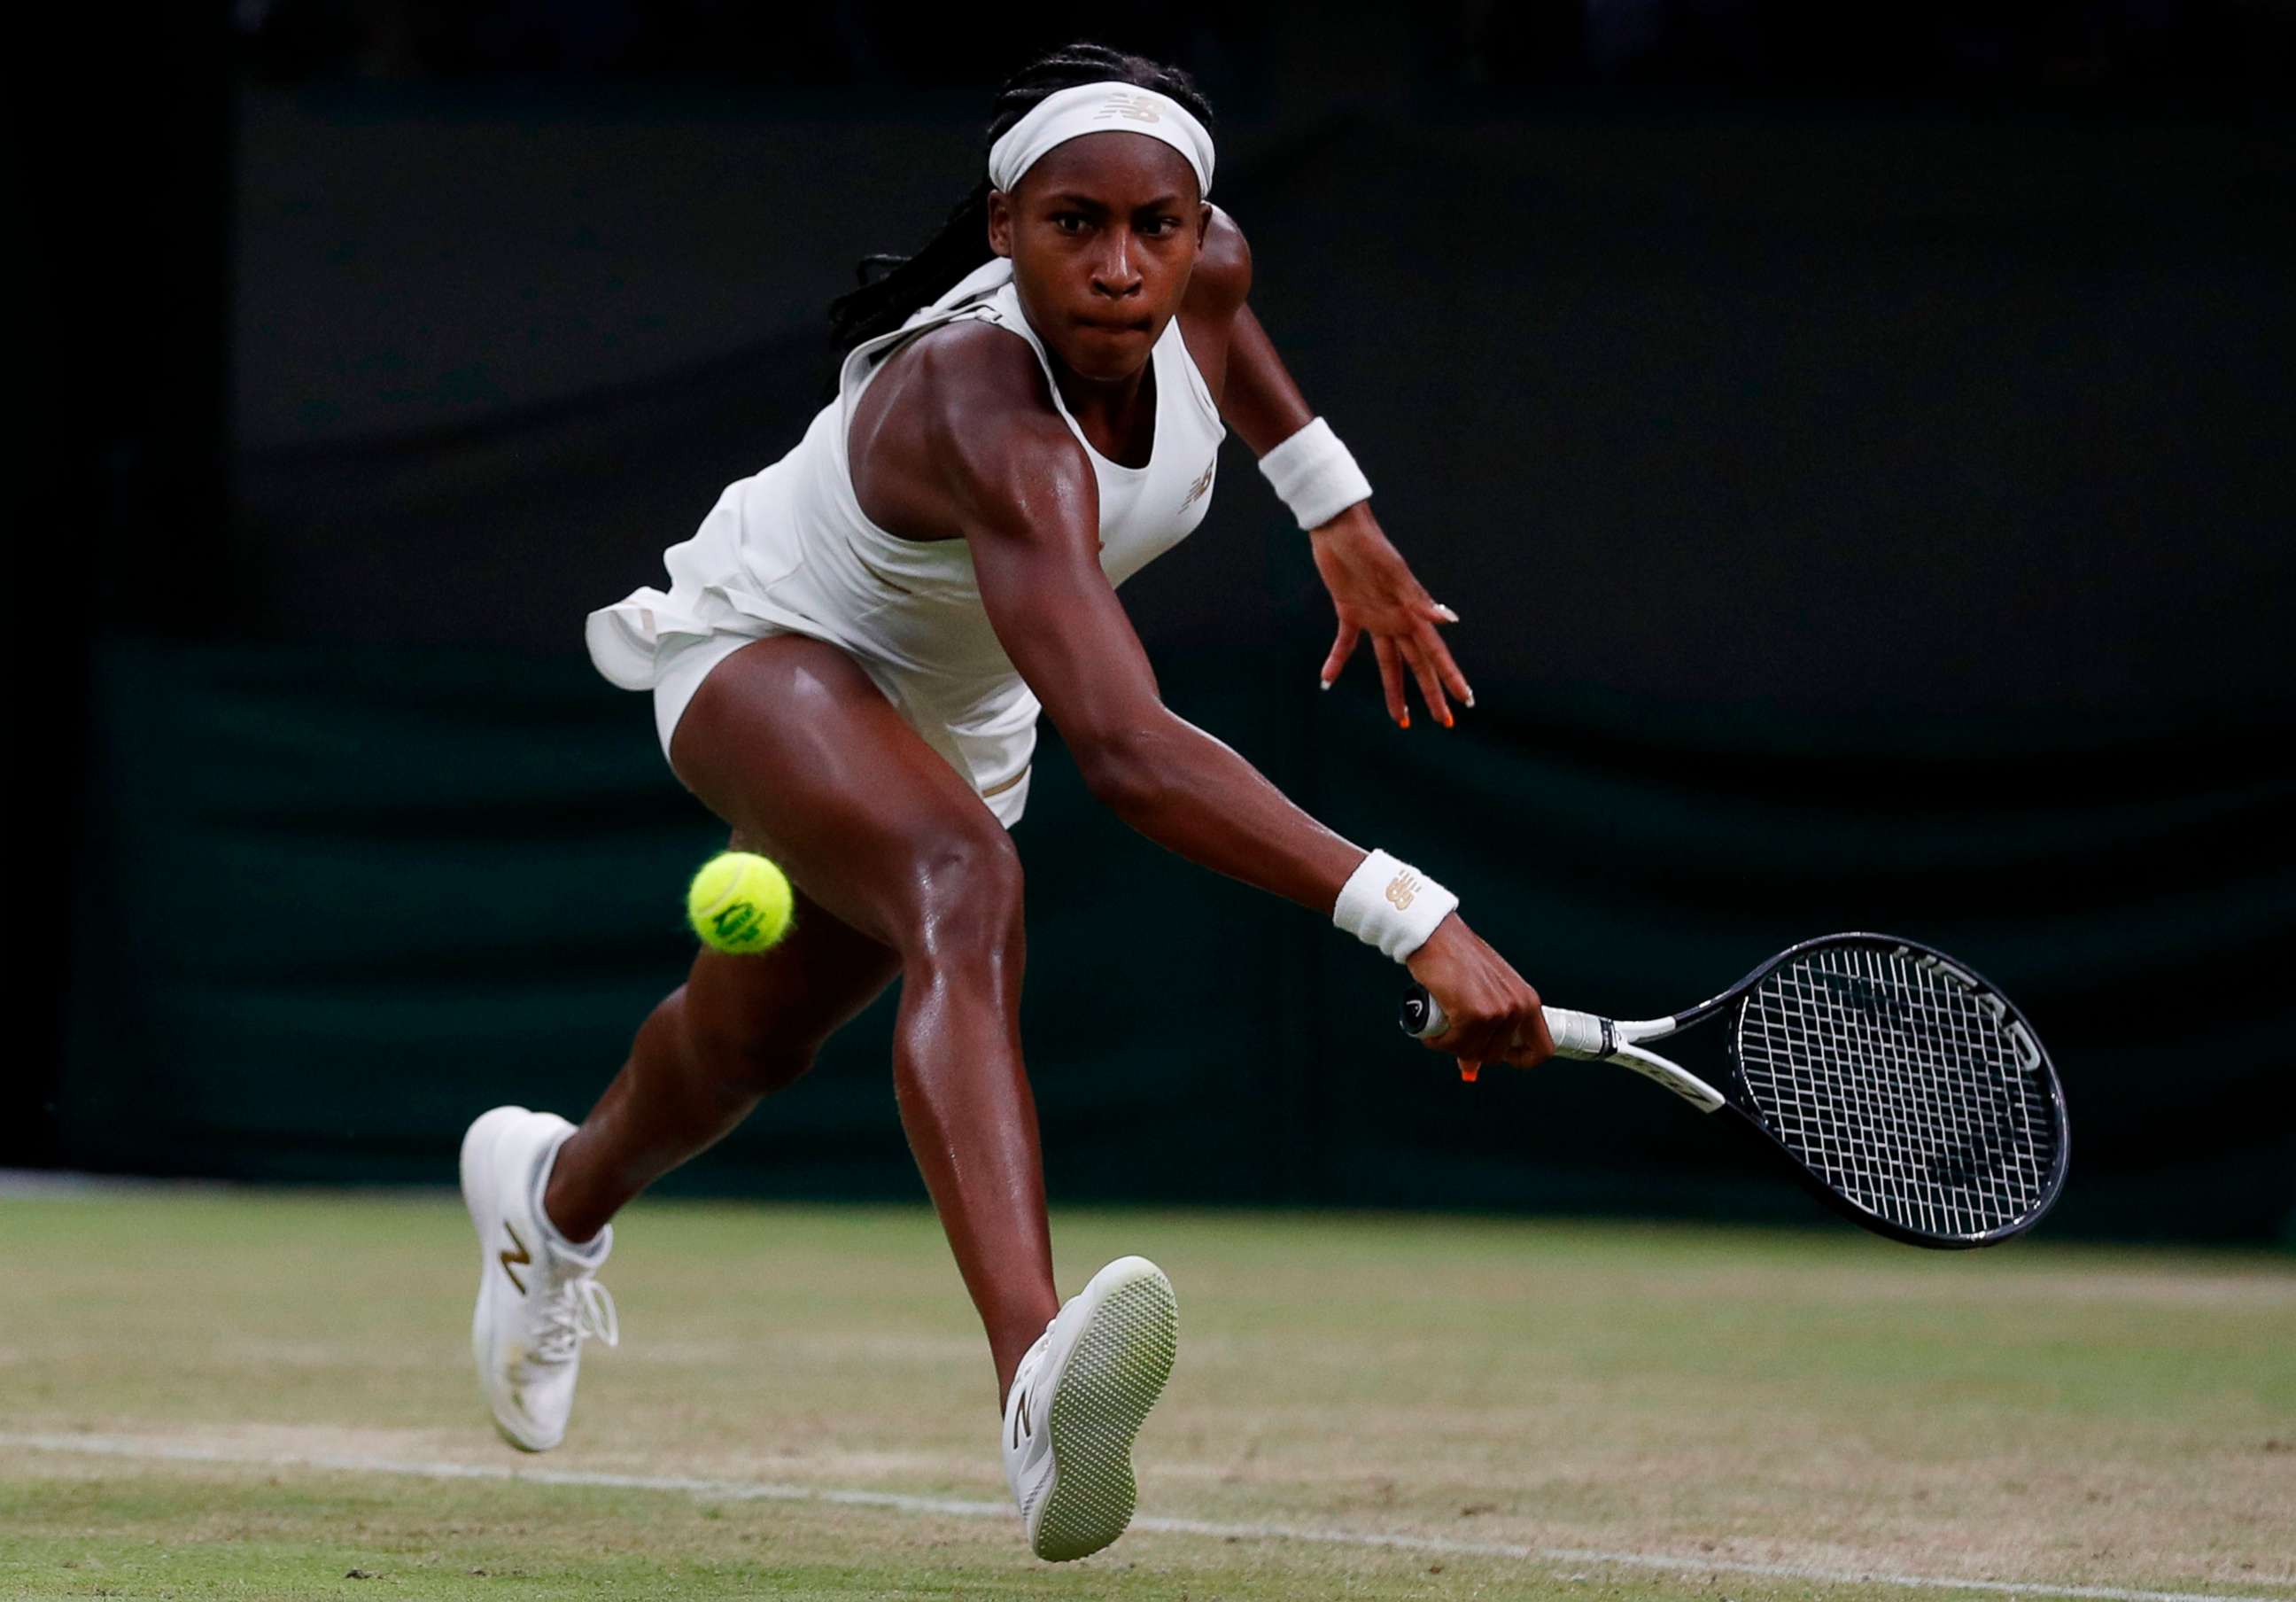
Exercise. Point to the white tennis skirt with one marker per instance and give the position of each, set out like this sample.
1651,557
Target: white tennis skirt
669,643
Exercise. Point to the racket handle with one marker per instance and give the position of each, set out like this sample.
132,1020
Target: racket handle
1581,1035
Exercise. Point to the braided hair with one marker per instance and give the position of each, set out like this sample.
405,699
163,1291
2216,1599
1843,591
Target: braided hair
881,305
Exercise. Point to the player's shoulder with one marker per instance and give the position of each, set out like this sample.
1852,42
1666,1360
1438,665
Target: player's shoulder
971,377
978,402
1222,280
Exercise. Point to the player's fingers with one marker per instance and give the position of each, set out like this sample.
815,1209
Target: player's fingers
1343,647
1540,1038
1452,677
1470,1036
1457,1040
1391,677
1531,1044
1476,1034
1422,669
1496,1042
1445,1040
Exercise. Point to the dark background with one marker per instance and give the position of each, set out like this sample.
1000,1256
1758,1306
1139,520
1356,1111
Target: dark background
1858,450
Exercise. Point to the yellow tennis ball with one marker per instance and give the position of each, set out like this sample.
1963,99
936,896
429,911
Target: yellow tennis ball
738,903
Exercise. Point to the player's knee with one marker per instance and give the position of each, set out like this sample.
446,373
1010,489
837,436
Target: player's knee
969,899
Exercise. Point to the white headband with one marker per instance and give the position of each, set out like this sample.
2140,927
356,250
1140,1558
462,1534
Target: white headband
1102,108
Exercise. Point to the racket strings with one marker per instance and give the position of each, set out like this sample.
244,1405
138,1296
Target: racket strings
1899,1087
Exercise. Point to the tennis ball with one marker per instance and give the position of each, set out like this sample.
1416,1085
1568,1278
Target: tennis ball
738,903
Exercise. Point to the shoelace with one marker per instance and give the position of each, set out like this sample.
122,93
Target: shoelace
577,1310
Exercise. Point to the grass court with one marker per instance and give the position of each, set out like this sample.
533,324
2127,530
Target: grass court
217,1392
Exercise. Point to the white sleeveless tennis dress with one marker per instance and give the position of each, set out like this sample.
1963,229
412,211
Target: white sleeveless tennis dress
789,551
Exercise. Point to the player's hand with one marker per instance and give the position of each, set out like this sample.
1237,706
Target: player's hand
1493,1016
1374,594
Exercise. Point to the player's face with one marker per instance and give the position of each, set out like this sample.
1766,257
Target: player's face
1104,231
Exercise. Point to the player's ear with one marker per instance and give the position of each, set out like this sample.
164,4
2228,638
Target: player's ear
1000,222
1203,222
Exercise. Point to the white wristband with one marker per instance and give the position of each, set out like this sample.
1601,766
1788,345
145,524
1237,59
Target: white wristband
1391,905
1315,475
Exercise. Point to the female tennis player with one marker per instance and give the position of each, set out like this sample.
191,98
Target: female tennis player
848,668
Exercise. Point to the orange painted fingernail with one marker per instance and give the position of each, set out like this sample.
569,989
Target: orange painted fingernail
1447,720
1467,1071
1406,723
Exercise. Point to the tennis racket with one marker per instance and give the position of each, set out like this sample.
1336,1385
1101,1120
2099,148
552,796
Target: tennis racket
1907,1091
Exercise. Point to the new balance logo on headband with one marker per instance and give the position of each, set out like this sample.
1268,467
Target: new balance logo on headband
1083,109
1132,108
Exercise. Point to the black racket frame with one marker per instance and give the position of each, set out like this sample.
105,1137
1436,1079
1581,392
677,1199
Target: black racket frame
1738,1100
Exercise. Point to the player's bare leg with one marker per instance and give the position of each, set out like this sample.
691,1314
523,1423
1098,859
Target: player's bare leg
793,744
899,864
541,1192
738,1030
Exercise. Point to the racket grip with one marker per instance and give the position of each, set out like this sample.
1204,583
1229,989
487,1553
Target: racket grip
1581,1035
1575,1034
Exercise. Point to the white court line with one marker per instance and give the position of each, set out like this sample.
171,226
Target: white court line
766,1491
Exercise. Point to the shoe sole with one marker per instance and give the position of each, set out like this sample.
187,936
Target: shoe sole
1115,1372
477,1155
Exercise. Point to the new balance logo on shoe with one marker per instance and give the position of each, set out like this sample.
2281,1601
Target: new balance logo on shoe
538,1302
517,1255
1083,1390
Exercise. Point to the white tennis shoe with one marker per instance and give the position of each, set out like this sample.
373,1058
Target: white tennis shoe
1078,1398
538,1297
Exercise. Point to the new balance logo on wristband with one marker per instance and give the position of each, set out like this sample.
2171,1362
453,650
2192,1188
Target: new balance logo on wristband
1391,905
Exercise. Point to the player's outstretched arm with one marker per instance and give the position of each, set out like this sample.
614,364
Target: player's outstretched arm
1372,590
1037,560
1028,505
